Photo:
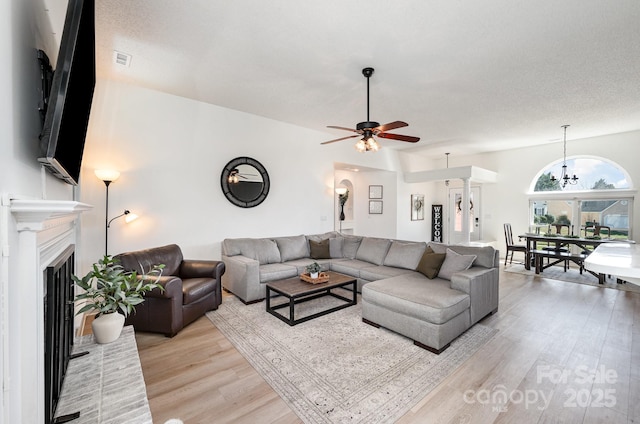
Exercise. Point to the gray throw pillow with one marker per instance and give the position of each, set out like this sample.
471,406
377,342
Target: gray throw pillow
404,254
453,263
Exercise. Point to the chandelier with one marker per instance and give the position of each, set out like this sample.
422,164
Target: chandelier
565,178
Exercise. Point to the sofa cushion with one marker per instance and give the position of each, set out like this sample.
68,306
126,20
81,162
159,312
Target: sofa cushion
374,273
430,263
319,249
319,237
264,251
404,255
350,267
335,247
276,271
194,289
454,262
350,245
293,247
373,250
406,294
485,254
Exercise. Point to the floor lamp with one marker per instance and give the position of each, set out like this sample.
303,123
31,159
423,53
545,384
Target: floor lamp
107,176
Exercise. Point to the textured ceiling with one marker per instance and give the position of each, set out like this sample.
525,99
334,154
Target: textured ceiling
468,76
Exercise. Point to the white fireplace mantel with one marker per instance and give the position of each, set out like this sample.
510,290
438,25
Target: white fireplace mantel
45,229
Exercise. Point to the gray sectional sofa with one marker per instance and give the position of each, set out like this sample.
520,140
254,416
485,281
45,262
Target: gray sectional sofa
396,293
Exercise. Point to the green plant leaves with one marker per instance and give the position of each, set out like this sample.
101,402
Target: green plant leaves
108,288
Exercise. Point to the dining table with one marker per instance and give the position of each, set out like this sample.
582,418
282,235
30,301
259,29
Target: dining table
579,246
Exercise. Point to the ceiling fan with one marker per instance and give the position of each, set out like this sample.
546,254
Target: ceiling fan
368,128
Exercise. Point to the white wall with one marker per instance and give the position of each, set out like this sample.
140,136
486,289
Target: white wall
507,200
171,151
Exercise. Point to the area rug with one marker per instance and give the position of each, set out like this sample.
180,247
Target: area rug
337,369
572,276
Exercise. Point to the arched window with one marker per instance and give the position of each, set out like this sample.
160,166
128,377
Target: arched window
602,196
593,173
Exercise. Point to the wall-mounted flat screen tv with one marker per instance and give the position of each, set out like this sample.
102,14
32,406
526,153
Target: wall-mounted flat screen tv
68,103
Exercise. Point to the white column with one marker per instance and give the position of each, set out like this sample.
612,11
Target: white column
466,208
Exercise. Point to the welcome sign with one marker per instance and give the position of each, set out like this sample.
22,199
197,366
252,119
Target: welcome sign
436,223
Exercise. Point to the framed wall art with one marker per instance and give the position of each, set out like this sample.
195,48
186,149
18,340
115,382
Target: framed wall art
417,207
375,206
375,192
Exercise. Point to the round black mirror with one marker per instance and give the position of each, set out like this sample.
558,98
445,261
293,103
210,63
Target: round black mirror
245,182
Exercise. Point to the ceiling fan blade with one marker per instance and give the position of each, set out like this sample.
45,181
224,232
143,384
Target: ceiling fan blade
342,128
407,138
338,139
391,126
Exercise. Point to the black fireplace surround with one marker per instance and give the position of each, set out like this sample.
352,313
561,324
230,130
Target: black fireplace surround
58,326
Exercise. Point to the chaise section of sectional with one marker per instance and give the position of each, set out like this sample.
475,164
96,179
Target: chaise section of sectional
434,311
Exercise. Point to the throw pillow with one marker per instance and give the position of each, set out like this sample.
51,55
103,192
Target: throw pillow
455,262
404,254
430,263
319,249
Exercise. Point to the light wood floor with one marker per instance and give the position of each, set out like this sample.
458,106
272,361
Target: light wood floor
546,328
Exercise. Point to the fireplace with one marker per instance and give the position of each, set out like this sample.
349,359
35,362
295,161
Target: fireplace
46,236
58,327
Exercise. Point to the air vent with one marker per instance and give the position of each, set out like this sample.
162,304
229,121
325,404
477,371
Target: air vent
121,59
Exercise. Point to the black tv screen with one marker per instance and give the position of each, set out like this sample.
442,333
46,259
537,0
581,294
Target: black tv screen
68,103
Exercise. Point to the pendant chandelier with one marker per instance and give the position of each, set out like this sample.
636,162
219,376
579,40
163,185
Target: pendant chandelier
565,178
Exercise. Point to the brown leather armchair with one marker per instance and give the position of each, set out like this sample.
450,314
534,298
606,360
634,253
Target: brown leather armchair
191,288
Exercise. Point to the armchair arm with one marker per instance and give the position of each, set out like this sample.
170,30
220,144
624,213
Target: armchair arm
191,268
172,287
481,284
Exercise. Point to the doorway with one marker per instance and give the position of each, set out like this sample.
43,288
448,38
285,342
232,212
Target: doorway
455,216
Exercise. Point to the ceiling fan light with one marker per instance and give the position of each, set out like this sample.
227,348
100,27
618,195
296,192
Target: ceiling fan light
372,145
361,146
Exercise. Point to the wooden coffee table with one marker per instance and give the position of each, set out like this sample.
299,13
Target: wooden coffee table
298,291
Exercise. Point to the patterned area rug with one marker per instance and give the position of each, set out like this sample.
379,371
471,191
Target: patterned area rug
337,369
573,276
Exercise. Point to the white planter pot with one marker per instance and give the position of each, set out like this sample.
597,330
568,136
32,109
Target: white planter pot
314,275
107,327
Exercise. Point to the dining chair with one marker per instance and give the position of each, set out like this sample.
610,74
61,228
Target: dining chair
511,247
597,231
559,228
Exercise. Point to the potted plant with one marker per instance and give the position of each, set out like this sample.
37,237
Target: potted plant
313,269
113,293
